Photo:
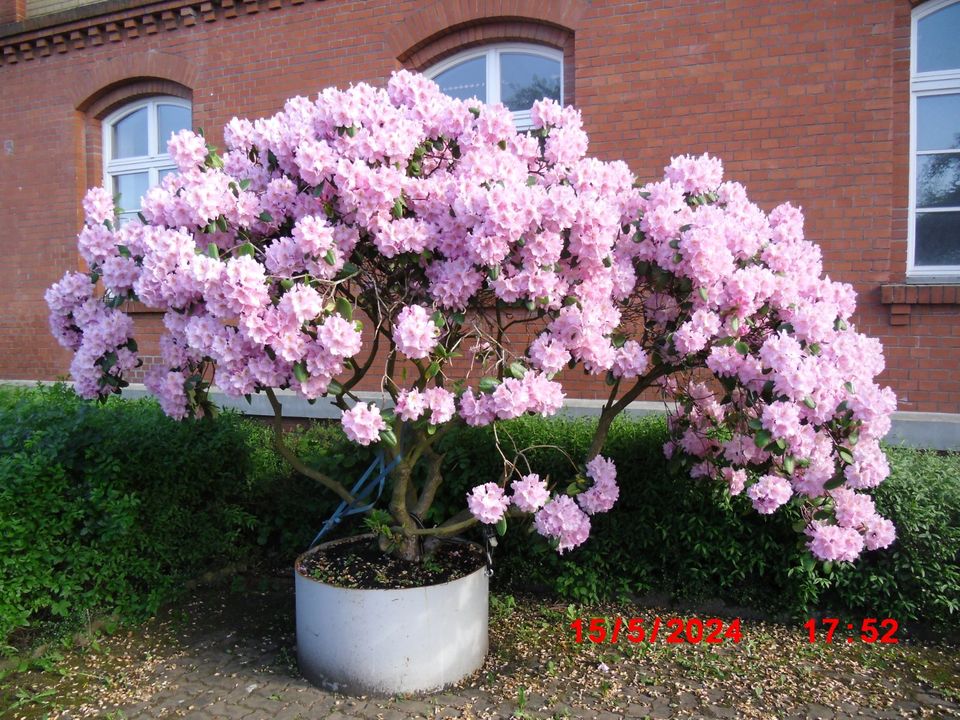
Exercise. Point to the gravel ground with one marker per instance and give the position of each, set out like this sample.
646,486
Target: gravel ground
230,654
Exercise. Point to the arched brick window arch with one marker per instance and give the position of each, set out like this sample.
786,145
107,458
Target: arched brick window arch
108,101
497,33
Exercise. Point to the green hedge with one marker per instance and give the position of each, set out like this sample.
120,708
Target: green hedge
112,507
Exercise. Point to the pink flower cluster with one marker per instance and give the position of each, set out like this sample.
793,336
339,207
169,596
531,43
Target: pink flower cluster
564,522
428,215
363,423
488,503
795,409
530,493
602,495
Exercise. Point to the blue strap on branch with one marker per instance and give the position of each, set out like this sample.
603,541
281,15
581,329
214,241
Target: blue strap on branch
360,491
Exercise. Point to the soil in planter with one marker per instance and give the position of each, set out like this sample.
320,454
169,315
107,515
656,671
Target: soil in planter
363,565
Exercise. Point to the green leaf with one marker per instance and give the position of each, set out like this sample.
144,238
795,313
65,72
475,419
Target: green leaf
475,112
845,455
853,438
762,438
849,386
213,251
330,258
703,294
788,464
488,384
432,370
244,184
742,347
335,388
344,307
123,251
517,369
573,489
502,144
834,482
222,223
348,270
735,323
809,402
300,371
246,249
389,437
531,181
265,217
808,562
437,319
493,272
502,526
755,424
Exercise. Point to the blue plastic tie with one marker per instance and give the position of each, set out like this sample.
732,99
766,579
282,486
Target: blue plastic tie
360,491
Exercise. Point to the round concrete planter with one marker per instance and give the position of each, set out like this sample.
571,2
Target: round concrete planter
390,641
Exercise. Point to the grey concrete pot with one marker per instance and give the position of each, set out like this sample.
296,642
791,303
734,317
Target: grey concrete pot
390,641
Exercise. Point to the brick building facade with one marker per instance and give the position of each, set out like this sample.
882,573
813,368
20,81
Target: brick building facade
805,100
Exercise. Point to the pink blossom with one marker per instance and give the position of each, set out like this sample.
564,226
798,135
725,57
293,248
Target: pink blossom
415,332
695,174
187,149
362,423
632,360
440,404
736,479
410,405
98,206
852,509
530,493
879,533
602,495
564,522
487,503
769,493
340,336
831,542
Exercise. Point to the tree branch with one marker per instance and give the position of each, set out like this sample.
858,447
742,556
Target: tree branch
610,411
434,481
295,462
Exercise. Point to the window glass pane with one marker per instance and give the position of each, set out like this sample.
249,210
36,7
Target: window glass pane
938,47
130,135
161,174
131,188
938,238
938,122
466,80
525,78
170,119
938,180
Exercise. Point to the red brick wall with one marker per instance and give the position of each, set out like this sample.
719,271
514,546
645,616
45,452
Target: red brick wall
805,100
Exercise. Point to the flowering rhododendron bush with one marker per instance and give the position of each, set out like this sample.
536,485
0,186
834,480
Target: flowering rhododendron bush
439,226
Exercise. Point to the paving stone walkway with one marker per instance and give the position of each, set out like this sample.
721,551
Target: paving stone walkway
234,659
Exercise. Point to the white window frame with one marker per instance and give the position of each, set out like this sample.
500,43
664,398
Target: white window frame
521,118
157,158
925,84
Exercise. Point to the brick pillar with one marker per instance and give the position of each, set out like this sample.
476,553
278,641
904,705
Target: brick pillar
12,11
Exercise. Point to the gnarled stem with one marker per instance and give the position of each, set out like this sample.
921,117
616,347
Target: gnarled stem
291,457
614,408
